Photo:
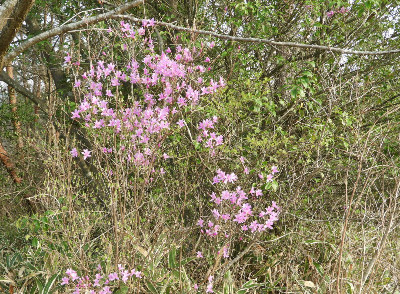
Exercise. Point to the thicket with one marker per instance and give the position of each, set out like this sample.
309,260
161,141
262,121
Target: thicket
160,160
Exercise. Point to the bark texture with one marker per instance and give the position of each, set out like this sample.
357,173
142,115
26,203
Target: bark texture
12,14
9,165
13,104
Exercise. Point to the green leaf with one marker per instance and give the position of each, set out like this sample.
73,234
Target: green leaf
228,283
49,284
319,268
39,285
35,242
151,287
274,185
248,285
172,258
122,290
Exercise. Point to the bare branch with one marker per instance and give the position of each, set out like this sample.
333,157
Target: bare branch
69,27
258,40
23,91
393,208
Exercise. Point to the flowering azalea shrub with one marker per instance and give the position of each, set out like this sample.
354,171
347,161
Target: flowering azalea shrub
237,214
234,208
132,130
129,112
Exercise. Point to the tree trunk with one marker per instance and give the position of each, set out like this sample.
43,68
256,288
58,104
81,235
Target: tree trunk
12,14
5,159
13,104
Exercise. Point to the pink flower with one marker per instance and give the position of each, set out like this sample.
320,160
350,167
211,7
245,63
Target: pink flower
125,276
96,283
231,178
73,275
65,281
274,169
225,252
109,93
216,213
115,82
98,124
67,58
330,13
225,217
151,22
74,152
137,274
181,123
207,59
269,178
253,226
212,44
75,114
199,254
210,285
113,276
196,287
86,154
77,83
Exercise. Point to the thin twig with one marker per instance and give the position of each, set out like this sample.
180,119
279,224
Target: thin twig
69,27
258,40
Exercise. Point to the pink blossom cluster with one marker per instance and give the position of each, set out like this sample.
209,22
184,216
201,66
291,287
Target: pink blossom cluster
210,138
342,10
101,284
237,208
171,85
236,212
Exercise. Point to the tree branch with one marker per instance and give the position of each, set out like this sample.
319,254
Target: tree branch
257,40
23,91
11,18
69,27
